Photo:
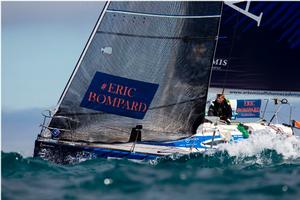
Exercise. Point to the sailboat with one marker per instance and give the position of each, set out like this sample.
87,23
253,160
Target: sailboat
139,89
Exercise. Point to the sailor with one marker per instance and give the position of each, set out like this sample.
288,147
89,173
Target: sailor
221,108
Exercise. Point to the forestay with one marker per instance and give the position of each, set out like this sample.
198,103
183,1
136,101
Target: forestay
146,63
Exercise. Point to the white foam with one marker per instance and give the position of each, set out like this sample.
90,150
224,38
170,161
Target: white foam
288,147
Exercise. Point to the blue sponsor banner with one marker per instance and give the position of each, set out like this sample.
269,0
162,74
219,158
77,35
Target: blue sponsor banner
118,95
248,108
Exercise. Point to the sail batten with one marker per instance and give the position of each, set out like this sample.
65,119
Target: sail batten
163,15
158,37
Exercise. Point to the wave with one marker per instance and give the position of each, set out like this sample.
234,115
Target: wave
287,146
259,150
124,179
264,166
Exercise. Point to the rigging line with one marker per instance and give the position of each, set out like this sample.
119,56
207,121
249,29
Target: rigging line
163,15
215,49
158,37
230,52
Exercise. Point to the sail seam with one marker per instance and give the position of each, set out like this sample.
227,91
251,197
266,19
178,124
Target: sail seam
152,108
158,37
162,15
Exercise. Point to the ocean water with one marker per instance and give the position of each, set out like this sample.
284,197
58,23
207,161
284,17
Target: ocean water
263,167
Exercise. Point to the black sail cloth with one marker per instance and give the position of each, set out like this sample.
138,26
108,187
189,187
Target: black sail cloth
170,44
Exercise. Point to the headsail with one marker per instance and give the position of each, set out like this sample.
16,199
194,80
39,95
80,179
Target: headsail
259,47
147,63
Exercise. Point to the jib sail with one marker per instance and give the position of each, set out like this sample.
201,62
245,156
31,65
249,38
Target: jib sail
146,63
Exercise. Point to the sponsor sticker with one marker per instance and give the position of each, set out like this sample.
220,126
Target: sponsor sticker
118,95
248,108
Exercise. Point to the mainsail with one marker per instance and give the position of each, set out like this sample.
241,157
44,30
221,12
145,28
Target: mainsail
258,50
146,63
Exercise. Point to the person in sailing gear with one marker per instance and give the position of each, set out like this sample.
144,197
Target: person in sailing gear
221,108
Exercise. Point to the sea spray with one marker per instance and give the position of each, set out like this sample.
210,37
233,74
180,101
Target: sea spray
287,146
